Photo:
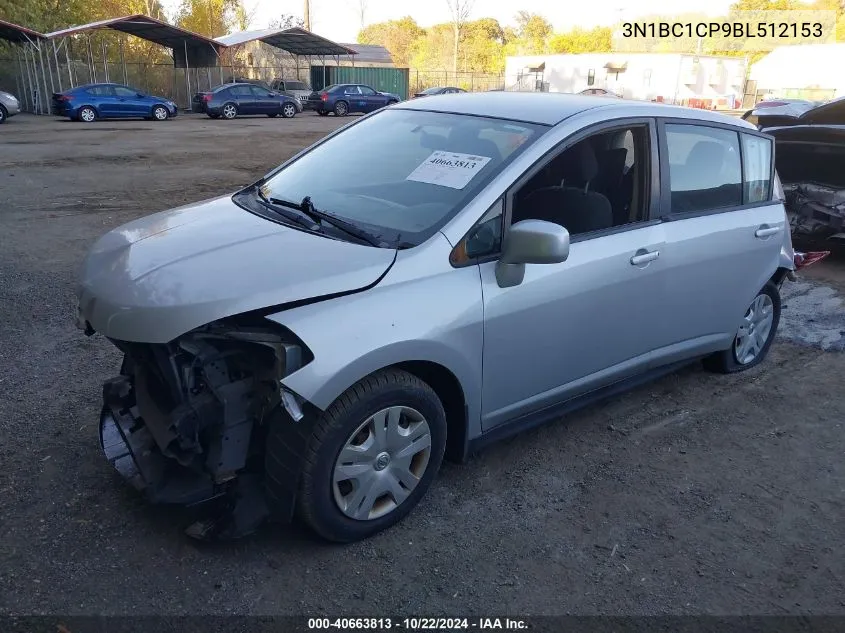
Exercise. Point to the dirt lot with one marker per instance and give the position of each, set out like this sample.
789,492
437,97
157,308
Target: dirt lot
697,494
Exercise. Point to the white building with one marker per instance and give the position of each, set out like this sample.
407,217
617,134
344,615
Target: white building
812,71
672,78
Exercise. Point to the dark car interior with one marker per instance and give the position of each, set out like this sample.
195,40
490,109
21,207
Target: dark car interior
594,185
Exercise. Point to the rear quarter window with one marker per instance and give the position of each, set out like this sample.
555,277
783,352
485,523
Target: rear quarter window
757,167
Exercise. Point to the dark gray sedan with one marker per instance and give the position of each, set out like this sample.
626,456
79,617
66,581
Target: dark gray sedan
231,100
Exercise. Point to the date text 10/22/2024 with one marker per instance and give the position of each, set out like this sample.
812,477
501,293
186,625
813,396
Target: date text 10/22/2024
416,624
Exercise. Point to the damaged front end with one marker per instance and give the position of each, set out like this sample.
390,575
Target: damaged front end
186,422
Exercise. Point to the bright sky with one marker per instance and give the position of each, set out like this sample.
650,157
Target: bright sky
339,20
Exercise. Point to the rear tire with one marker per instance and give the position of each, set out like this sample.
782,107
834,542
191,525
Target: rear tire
755,336
396,464
3,114
229,111
341,108
86,114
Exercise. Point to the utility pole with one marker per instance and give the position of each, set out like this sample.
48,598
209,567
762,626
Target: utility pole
307,16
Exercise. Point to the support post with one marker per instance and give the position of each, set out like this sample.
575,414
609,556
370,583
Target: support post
30,72
50,70
69,67
91,67
58,67
187,75
24,92
105,60
123,59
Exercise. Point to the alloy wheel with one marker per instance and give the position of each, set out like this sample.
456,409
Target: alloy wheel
289,110
229,111
87,115
160,113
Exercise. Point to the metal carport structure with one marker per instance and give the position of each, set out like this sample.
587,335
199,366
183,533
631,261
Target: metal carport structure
30,57
188,50
296,41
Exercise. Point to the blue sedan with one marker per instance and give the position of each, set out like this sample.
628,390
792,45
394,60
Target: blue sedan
235,99
111,101
345,98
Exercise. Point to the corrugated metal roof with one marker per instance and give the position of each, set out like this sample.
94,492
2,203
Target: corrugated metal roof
18,34
371,53
296,41
146,28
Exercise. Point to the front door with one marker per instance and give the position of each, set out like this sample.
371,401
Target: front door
265,102
129,104
724,233
373,100
572,327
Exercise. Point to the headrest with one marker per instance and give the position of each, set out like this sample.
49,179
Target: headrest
580,166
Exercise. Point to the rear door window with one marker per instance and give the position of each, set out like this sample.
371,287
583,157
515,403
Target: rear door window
240,91
757,166
705,171
100,91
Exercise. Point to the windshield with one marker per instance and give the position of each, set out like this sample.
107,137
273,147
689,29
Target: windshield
429,91
296,85
402,174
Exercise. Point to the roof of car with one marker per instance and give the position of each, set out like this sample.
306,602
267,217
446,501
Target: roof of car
550,108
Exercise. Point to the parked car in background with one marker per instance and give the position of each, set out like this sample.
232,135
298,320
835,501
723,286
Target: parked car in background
810,144
343,99
428,279
299,90
111,101
246,80
232,100
599,92
9,105
428,92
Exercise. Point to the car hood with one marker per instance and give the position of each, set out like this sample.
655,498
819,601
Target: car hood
828,113
163,275
390,94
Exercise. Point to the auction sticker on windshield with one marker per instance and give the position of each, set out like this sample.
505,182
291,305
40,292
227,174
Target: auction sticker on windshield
449,169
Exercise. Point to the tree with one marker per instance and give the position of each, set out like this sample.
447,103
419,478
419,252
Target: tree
597,40
287,21
208,17
397,36
533,32
460,10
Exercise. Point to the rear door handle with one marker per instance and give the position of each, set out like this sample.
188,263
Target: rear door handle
766,231
644,258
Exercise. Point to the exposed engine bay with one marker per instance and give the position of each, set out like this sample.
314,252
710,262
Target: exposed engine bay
186,422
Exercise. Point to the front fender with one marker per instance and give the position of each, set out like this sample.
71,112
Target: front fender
435,315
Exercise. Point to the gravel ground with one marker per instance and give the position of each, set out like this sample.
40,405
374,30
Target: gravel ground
696,494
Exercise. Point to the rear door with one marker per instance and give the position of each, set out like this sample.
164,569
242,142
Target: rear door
723,229
357,102
244,98
265,103
105,101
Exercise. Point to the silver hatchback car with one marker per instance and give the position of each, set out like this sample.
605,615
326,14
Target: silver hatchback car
428,278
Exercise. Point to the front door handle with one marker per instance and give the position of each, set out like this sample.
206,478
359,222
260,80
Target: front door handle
766,231
644,258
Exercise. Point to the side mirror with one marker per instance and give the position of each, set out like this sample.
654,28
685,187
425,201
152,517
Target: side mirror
530,242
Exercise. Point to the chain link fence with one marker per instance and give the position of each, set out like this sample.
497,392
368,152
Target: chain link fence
472,81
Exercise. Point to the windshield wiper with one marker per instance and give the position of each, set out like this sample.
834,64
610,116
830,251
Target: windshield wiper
281,207
307,207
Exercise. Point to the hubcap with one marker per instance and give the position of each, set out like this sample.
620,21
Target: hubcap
87,115
755,329
289,110
229,112
160,113
381,463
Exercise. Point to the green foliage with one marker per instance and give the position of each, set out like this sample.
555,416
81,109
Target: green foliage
211,18
397,36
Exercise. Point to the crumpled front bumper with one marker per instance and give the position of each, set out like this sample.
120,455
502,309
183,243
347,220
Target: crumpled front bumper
131,448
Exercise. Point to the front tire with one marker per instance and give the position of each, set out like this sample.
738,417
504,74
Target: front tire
3,114
341,108
288,110
755,335
160,113
372,456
